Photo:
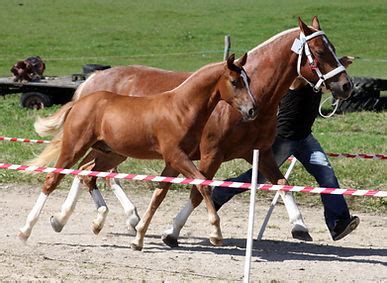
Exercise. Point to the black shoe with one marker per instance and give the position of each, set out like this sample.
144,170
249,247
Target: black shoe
344,227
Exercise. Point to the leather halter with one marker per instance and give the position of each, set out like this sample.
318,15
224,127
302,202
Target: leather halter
298,47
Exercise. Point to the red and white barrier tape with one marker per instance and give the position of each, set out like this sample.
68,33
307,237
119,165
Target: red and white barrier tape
22,140
346,155
360,155
212,183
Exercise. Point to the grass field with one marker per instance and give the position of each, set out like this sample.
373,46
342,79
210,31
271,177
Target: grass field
184,35
68,34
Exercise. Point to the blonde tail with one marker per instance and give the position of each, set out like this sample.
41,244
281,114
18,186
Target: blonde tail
49,154
53,124
48,126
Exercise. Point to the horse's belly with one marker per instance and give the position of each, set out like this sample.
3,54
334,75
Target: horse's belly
139,151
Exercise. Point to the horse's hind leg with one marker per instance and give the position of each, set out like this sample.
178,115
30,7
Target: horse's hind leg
32,218
269,168
52,180
299,230
66,159
157,198
59,220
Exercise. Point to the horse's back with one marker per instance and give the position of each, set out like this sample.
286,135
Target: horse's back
135,80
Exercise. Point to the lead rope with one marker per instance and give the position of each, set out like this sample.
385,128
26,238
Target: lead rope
334,104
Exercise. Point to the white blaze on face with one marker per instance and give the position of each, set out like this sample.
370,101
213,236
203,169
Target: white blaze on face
246,82
331,50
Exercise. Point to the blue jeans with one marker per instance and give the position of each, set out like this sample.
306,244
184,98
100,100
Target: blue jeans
310,153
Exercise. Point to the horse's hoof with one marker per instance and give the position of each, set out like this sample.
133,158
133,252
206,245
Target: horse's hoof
131,230
23,236
131,224
55,224
302,235
135,247
169,241
96,228
216,241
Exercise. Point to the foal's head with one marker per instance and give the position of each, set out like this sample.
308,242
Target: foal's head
234,88
321,65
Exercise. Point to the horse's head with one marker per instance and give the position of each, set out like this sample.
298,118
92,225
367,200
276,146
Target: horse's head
234,88
318,63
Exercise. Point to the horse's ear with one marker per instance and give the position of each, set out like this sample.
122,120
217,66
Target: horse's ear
230,61
303,27
346,60
242,60
231,58
316,23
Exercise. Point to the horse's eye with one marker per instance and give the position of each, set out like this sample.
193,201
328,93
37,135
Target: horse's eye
234,83
319,53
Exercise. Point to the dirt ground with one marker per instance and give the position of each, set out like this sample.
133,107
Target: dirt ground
76,254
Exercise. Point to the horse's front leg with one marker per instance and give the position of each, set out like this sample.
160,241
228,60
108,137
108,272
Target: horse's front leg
216,237
157,198
209,164
102,209
102,162
130,209
269,168
171,235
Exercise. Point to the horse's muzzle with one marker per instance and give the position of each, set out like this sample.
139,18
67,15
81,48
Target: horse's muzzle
250,114
341,90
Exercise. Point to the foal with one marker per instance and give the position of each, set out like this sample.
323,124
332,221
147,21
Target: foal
166,126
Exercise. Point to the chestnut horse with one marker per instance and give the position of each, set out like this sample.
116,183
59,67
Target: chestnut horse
166,126
274,66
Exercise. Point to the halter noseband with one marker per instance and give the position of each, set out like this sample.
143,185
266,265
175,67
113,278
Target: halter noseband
301,44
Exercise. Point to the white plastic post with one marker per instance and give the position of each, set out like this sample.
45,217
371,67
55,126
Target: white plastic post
274,202
227,46
249,242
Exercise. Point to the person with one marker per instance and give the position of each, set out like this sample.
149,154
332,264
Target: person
297,112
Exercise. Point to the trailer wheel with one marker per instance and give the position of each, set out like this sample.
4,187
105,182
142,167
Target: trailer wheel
365,96
35,100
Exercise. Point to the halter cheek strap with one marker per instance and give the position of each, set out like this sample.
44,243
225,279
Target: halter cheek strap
299,46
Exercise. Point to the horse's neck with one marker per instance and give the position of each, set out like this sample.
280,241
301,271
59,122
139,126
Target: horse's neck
198,92
272,67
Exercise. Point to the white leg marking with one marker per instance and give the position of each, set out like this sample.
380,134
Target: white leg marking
129,208
69,204
33,216
179,221
294,213
98,223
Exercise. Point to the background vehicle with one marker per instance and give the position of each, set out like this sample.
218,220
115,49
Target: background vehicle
366,96
48,90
